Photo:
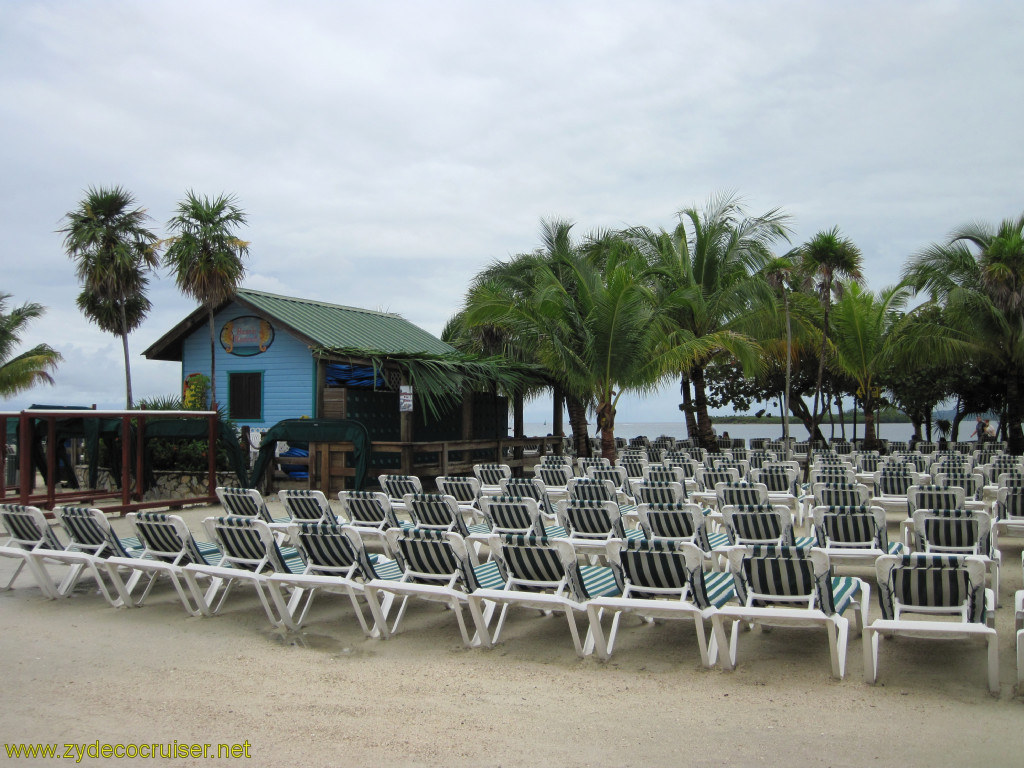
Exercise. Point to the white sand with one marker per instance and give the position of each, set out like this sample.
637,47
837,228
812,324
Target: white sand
76,670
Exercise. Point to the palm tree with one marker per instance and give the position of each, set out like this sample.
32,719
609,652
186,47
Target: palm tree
107,237
206,256
826,259
703,273
978,276
779,275
590,322
19,372
867,334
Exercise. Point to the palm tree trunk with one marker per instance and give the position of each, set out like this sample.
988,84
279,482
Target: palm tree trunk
213,362
127,362
870,441
687,408
789,377
606,423
705,433
578,424
1012,429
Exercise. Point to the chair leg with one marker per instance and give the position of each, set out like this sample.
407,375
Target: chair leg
726,644
993,664
602,649
869,641
1020,662
481,615
838,632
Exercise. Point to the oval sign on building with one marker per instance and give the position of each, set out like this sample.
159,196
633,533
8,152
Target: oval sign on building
246,336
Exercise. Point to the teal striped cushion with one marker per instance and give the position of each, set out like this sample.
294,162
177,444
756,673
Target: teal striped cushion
488,576
599,580
844,591
719,587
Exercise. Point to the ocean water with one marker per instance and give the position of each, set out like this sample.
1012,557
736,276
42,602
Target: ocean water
677,429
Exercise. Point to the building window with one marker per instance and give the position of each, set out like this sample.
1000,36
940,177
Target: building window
245,396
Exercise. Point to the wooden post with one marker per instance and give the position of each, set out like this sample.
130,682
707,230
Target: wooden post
406,432
51,461
126,437
139,455
558,408
211,422
25,469
518,430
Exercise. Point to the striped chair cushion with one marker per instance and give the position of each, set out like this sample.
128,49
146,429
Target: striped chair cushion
955,529
245,548
849,526
758,523
784,572
922,580
302,505
430,510
326,546
741,495
397,486
532,559
510,514
554,476
657,492
365,508
935,497
428,555
1012,506
164,542
893,484
655,565
839,495
102,542
23,527
591,490
592,519
777,482
461,488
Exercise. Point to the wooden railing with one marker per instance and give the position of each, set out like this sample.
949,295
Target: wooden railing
331,468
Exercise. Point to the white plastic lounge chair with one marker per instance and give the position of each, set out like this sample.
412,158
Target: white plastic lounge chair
554,478
308,506
489,475
591,523
371,512
784,586
249,554
1018,625
465,490
658,492
533,488
517,514
440,512
958,532
542,574
435,566
853,534
336,561
168,546
397,486
679,523
246,502
1009,513
763,525
92,542
660,580
29,535
917,586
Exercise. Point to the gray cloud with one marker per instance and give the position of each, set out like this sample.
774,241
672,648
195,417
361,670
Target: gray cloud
385,152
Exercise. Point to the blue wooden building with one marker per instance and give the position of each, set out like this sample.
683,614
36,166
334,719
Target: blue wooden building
267,361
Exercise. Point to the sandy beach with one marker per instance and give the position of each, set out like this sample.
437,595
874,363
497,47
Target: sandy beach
79,671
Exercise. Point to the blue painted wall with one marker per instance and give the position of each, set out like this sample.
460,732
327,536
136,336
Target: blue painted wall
288,368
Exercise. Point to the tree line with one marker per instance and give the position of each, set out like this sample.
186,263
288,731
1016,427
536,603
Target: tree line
726,305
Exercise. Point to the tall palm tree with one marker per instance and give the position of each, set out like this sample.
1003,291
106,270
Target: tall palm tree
590,321
779,275
704,275
867,334
978,276
825,260
21,371
205,256
113,249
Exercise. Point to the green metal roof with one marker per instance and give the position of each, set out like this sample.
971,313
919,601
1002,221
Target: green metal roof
330,326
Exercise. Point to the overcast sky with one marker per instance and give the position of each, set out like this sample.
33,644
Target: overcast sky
385,152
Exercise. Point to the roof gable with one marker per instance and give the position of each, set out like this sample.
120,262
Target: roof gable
318,323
